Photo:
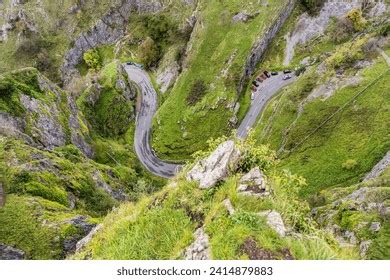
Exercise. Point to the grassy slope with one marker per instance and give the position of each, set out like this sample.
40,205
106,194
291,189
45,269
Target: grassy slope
216,40
57,28
359,133
129,232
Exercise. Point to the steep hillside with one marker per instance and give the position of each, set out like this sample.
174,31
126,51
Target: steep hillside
330,126
59,174
81,144
203,102
233,204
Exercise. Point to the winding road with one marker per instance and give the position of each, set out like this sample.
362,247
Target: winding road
143,128
148,109
264,93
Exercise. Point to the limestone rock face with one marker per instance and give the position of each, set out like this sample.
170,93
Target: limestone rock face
254,184
47,128
199,250
216,167
275,221
167,76
10,253
109,29
48,121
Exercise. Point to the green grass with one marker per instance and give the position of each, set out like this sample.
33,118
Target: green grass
184,129
161,226
358,133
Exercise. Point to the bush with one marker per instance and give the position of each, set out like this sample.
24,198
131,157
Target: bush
312,6
92,59
341,29
357,19
149,52
350,164
198,90
160,28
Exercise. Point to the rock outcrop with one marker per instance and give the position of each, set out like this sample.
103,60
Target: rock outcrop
216,167
84,227
10,253
309,27
167,76
200,249
275,221
109,29
253,183
379,168
49,119
84,242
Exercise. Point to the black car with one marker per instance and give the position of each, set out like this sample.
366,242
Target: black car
130,63
287,72
274,73
256,84
267,74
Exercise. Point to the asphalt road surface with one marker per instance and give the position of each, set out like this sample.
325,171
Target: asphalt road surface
143,128
148,109
264,93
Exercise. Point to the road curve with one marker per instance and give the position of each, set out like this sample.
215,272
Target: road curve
148,109
264,93
143,128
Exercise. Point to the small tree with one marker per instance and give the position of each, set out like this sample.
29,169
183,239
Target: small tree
92,59
148,52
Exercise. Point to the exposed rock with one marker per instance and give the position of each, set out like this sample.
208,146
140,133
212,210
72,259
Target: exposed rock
84,242
45,123
275,221
229,206
167,77
241,16
70,244
364,246
375,227
14,127
327,89
253,183
379,168
109,29
216,167
309,27
100,183
11,253
199,250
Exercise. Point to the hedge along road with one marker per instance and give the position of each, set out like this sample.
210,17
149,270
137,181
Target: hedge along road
148,108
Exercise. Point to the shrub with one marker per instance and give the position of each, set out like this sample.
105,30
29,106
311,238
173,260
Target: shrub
357,19
312,6
248,219
341,29
149,52
92,59
198,90
159,27
350,164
